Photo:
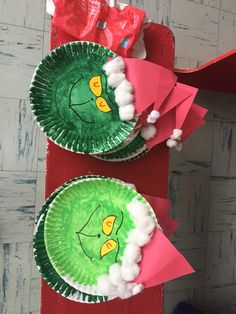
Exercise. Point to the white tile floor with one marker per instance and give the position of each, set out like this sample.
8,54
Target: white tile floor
202,178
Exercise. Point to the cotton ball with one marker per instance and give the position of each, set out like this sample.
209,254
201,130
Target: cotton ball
127,112
146,225
116,65
137,209
124,291
137,289
115,79
104,286
148,132
153,116
125,86
171,143
176,134
132,253
115,274
124,98
130,272
138,238
179,147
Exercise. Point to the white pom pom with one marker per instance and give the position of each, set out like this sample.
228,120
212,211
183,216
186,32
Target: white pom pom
132,254
114,66
171,143
115,79
125,86
179,147
146,225
124,291
115,274
176,134
127,112
124,98
138,238
137,209
130,272
137,289
148,132
104,286
153,116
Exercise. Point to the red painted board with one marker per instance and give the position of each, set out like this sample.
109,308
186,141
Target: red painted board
149,174
218,74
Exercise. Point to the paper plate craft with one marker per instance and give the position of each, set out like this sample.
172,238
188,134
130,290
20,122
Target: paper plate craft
73,102
93,239
89,100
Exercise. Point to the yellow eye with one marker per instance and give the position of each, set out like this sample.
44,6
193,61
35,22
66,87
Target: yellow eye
108,225
108,247
102,104
95,85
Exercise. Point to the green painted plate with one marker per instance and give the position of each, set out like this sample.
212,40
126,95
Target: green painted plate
72,101
76,234
43,262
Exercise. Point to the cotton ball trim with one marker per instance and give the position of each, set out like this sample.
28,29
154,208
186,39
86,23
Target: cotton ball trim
105,287
137,237
127,113
146,225
153,116
115,79
137,209
132,253
116,65
148,132
130,272
124,291
125,86
137,288
115,275
124,98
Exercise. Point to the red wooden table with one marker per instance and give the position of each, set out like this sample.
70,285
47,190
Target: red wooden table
149,174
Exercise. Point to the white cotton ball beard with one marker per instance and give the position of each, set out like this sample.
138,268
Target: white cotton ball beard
148,132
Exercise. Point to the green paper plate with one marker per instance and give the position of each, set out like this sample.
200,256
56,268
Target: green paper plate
44,265
136,149
76,234
72,101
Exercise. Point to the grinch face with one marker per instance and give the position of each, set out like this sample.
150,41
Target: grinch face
90,101
86,228
99,236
